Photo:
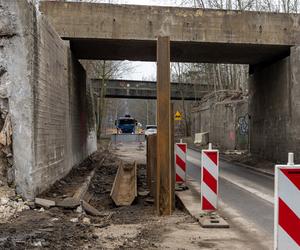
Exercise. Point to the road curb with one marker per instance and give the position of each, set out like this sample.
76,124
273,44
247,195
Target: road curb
239,164
190,200
248,167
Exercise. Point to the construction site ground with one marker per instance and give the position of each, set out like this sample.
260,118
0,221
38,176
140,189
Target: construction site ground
130,227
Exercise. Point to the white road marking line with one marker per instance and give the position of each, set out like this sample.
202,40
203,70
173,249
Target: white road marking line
251,190
266,197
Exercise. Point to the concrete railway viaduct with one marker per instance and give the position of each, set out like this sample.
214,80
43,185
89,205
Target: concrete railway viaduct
49,102
132,89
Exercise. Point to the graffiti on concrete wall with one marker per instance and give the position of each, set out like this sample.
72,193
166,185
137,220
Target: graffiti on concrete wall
243,125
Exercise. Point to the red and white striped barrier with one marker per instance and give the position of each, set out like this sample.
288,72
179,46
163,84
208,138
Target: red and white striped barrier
287,206
180,162
209,179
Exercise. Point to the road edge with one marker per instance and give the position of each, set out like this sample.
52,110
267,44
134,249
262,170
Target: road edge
248,167
269,174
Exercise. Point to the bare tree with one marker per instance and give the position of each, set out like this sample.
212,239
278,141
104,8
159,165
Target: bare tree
104,70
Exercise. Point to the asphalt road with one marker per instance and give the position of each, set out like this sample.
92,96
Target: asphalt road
246,192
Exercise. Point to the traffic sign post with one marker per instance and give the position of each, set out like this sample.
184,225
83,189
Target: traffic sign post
287,206
180,162
209,179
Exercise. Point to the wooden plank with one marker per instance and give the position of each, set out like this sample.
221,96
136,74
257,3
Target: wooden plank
164,178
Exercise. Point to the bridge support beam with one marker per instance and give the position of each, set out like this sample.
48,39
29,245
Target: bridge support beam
275,108
164,198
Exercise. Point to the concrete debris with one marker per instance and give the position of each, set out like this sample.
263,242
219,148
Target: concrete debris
4,201
6,132
9,208
7,173
149,200
42,209
144,193
37,244
89,209
86,221
69,202
74,220
79,210
44,202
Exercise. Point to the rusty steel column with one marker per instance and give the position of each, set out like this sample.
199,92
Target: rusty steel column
164,173
172,157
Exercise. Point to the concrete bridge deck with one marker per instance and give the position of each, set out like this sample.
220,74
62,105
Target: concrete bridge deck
128,32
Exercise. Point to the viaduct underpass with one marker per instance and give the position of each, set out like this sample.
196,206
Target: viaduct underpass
268,42
49,102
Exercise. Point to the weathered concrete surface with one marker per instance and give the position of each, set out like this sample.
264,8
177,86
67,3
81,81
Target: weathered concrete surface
132,89
226,121
48,102
17,40
275,108
106,31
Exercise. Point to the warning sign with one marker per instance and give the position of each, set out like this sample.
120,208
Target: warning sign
178,116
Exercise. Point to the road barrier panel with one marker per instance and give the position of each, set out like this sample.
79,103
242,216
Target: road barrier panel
209,179
287,206
180,162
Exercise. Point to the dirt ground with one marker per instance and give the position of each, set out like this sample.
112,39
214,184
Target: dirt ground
131,227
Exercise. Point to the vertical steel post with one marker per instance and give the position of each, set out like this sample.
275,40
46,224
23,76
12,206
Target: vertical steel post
172,158
164,173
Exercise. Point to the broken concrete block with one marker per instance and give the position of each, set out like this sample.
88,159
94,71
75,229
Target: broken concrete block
79,210
143,193
89,209
69,203
86,221
44,202
202,138
74,220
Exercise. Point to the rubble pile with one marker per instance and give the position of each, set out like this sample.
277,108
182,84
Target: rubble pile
7,33
6,156
10,207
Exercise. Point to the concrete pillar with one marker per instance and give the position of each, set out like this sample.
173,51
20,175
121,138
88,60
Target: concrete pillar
274,108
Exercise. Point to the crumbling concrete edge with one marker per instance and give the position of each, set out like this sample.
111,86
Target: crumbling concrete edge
83,188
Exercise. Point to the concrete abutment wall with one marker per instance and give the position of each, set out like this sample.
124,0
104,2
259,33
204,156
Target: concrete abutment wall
275,108
225,116
53,128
